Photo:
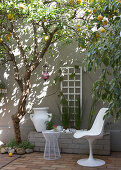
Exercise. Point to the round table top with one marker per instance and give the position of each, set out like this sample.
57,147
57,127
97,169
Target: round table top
50,134
50,131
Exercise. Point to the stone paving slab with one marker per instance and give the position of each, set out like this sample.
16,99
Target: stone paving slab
5,159
35,161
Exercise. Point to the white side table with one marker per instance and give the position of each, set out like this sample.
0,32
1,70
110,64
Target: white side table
51,151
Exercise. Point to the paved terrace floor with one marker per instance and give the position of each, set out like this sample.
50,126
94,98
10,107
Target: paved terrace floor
35,161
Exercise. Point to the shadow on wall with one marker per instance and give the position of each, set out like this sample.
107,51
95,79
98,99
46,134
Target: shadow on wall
43,93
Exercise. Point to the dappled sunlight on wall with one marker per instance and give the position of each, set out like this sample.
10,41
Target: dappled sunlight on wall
6,134
63,55
2,102
1,143
1,131
9,100
42,93
6,75
39,87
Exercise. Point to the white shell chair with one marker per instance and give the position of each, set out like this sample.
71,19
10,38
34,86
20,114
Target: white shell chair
94,133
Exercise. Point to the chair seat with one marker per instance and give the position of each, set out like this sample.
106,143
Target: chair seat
85,134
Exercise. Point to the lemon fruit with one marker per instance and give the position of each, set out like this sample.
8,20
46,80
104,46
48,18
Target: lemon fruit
89,27
46,38
78,1
79,29
10,34
10,154
21,6
78,25
10,16
1,40
105,22
44,20
94,11
97,35
116,11
110,16
102,30
100,17
71,2
7,37
119,1
89,11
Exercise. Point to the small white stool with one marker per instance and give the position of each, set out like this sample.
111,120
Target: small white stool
51,151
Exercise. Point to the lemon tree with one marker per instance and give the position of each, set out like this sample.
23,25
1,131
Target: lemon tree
32,27
105,54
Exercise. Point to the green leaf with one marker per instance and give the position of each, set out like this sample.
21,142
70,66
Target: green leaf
117,91
72,75
104,96
106,61
60,78
60,94
64,101
76,67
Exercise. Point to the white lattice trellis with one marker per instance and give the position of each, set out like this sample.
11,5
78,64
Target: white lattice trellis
71,86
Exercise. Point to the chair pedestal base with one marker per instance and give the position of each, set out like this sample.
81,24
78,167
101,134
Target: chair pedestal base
91,162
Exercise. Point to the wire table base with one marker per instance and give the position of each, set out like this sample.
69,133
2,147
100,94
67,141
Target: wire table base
51,151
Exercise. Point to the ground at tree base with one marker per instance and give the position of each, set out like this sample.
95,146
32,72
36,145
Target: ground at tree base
35,161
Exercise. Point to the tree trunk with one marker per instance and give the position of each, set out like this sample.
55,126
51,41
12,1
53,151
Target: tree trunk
21,110
16,127
16,118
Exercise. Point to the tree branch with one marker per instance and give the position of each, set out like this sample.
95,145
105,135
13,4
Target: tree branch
20,46
15,68
56,39
35,41
72,29
44,28
39,59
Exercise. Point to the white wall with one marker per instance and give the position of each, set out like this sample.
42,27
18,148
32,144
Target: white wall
68,55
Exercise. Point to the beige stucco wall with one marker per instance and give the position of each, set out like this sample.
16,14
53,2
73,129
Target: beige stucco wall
68,55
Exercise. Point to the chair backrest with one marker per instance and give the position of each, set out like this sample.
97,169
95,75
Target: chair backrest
98,124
